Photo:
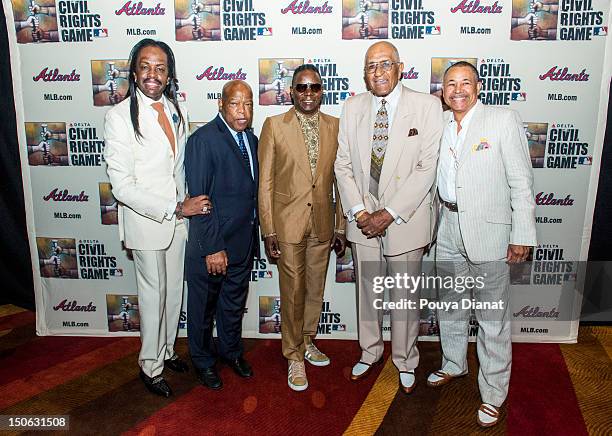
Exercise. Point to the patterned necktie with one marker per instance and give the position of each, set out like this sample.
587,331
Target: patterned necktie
162,119
379,146
243,150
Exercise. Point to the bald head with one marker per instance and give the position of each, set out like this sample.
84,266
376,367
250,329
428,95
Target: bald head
236,105
229,86
384,46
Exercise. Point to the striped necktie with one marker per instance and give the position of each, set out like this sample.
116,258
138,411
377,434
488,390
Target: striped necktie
243,150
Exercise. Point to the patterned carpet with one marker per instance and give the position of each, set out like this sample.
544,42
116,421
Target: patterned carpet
561,390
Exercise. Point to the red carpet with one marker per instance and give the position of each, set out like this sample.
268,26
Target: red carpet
561,390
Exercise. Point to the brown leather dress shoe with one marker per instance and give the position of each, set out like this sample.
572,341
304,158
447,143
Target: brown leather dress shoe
358,372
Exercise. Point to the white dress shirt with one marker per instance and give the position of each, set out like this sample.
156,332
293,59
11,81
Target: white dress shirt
246,144
450,152
392,100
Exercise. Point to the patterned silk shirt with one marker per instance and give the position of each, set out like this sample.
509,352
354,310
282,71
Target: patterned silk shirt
310,130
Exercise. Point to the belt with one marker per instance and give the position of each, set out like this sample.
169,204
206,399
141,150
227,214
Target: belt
450,206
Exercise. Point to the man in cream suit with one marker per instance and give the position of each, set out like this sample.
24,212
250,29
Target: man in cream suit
385,167
297,150
485,187
145,141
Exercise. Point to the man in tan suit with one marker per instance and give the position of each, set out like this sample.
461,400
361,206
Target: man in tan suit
385,167
296,209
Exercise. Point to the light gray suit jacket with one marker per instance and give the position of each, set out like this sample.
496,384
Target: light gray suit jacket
494,184
408,172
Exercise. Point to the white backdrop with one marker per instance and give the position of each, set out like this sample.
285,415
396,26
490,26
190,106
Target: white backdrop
550,61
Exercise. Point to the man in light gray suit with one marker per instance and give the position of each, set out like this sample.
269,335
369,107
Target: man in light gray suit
385,167
485,187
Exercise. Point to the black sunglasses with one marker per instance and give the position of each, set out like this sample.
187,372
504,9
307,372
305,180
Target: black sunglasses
302,87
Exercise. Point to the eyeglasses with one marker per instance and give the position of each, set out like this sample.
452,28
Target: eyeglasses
385,65
302,87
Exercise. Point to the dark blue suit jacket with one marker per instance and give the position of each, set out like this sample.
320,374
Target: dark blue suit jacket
215,167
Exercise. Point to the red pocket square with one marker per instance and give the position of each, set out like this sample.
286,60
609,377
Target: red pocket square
413,132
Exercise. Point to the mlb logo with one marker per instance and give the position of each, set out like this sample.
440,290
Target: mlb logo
585,160
264,31
101,33
339,327
601,31
265,274
519,96
432,30
346,94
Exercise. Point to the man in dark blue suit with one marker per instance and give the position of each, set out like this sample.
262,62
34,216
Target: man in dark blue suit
221,161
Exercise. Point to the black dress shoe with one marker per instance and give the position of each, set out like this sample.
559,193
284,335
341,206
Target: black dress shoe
209,378
240,367
176,364
156,385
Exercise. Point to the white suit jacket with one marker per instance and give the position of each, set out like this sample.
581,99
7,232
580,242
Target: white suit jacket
408,173
494,184
145,175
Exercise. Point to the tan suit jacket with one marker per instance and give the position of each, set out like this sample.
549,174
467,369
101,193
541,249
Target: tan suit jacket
408,172
287,190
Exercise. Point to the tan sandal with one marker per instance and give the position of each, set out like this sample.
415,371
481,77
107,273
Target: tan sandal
445,378
487,410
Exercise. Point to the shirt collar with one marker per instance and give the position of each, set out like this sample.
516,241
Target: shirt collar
392,98
149,101
232,131
303,117
466,118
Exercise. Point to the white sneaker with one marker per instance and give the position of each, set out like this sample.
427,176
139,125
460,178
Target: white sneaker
297,376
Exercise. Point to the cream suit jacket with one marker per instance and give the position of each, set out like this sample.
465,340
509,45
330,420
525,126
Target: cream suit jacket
287,190
408,172
145,175
494,184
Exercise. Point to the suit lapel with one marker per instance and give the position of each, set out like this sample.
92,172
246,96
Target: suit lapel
473,134
402,123
365,127
292,131
325,144
253,148
178,133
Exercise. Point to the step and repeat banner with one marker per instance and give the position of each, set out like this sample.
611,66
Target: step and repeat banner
543,58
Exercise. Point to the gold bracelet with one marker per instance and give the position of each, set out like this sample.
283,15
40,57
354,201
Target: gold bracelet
358,214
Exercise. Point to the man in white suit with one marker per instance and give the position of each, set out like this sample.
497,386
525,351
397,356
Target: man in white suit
485,187
144,152
385,168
